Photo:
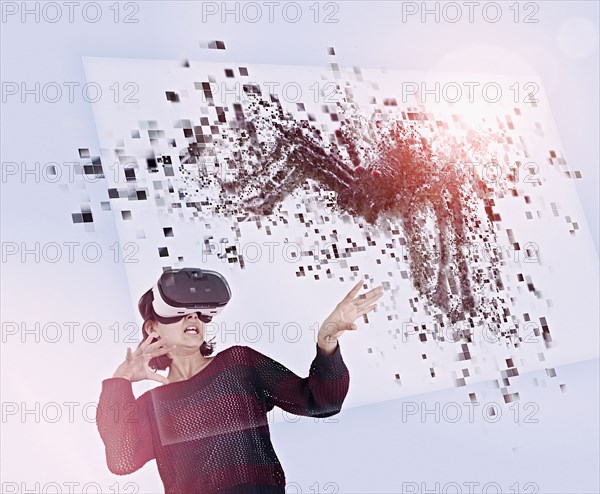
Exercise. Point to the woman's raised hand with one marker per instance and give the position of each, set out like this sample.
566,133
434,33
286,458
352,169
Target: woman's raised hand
346,312
135,366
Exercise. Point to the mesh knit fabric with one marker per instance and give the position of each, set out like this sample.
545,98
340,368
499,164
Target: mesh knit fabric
209,434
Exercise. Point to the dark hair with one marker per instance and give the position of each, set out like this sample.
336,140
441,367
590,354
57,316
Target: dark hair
147,312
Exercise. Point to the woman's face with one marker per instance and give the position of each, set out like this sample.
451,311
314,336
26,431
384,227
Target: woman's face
189,332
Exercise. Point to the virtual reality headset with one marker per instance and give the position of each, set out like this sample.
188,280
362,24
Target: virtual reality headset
179,292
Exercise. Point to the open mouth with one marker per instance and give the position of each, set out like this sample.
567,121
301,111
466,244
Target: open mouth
191,330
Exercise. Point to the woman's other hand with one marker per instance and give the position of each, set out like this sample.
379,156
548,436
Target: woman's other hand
346,312
135,366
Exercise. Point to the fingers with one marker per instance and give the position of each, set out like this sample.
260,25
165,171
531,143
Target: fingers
160,351
155,349
154,376
376,290
369,297
154,346
364,311
147,342
354,291
148,345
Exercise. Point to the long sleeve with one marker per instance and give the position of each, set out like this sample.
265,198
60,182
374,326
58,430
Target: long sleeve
123,425
321,394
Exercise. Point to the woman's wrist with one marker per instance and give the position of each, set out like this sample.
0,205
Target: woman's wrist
122,374
327,346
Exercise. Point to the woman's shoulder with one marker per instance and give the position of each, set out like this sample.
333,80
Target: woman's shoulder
241,354
235,351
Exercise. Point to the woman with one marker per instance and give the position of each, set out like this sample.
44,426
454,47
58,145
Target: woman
207,425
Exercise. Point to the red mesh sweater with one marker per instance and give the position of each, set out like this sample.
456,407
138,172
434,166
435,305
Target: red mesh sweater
209,433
